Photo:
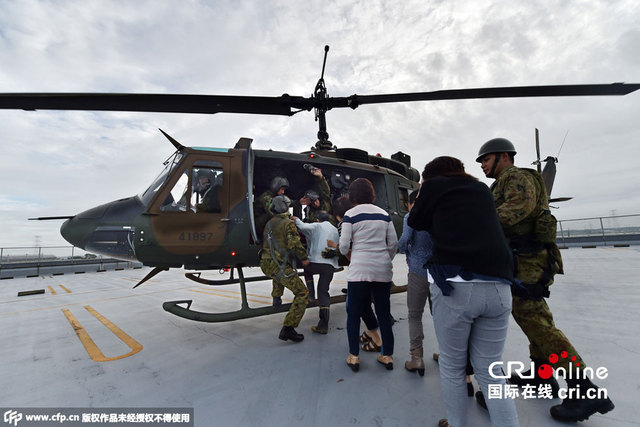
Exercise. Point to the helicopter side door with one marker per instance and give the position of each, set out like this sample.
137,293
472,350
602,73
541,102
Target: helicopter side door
191,214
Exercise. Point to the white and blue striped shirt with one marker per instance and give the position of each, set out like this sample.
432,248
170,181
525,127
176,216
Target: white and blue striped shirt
368,232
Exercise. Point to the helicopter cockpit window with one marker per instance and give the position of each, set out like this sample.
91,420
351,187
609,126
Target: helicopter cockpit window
403,194
177,199
206,187
148,194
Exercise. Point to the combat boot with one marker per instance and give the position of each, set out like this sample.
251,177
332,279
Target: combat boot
415,363
277,301
323,323
288,333
312,290
579,406
536,381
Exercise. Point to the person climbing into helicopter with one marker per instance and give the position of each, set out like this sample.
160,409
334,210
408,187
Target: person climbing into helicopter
281,246
317,235
317,199
279,185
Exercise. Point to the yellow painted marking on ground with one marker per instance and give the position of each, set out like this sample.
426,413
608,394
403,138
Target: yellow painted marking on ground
65,289
55,307
91,347
236,296
52,291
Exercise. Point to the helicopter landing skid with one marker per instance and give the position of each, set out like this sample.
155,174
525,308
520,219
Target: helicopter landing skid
230,281
245,312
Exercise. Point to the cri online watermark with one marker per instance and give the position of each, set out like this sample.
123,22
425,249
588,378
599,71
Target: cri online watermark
546,371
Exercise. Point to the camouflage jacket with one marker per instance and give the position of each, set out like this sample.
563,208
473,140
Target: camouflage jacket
285,234
264,201
261,211
519,199
324,191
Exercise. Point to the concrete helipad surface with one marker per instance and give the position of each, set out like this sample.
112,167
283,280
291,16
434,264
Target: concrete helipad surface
239,374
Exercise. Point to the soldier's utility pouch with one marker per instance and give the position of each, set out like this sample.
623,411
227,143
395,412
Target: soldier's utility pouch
545,227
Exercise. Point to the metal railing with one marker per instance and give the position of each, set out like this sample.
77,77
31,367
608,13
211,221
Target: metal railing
615,230
600,231
36,260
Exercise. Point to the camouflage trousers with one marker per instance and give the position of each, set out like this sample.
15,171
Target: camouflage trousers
293,283
536,321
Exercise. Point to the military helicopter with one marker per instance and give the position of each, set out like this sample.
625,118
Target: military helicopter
549,171
164,226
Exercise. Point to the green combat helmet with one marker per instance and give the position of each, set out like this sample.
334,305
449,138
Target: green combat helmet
495,145
280,204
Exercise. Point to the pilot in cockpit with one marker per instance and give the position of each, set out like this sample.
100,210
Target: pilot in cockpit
208,193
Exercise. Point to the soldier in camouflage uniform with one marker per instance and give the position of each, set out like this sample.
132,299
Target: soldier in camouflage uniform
278,186
263,214
317,201
522,204
281,243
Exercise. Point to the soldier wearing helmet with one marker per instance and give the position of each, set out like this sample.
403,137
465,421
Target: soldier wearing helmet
522,204
281,247
491,156
317,199
262,211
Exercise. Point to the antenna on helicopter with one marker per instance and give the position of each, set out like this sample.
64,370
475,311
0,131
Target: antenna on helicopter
320,97
537,162
563,141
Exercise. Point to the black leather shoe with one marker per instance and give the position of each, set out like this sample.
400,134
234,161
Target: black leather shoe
288,333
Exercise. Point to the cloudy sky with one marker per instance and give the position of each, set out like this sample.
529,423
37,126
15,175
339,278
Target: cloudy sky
61,163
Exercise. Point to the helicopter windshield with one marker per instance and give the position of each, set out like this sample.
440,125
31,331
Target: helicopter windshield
148,194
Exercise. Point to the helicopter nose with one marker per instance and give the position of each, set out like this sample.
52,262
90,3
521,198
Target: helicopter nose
74,232
104,230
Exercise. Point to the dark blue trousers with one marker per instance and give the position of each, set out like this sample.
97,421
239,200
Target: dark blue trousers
358,299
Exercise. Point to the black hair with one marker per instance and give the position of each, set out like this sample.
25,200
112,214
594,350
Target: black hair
341,205
413,196
361,191
444,166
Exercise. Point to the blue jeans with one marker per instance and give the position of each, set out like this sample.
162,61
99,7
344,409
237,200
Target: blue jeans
358,298
475,317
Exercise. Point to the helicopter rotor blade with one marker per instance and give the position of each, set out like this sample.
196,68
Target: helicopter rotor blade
280,105
495,92
154,103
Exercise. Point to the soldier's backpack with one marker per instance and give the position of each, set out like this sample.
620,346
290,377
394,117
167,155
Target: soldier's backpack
544,230
545,225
